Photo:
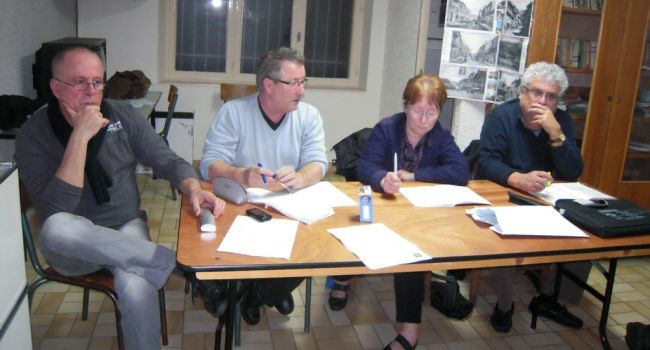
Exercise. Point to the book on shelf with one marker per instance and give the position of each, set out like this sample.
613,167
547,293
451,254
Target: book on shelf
584,4
576,53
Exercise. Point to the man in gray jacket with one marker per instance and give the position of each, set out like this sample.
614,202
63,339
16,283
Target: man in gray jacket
77,158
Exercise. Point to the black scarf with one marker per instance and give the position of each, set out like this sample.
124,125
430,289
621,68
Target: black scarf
97,178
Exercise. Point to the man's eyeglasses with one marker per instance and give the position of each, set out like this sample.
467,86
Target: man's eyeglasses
292,84
420,113
82,85
538,94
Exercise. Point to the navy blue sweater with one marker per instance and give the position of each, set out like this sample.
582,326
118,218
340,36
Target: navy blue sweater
507,146
442,161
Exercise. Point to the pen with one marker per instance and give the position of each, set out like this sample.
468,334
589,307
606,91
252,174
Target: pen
395,163
263,176
549,182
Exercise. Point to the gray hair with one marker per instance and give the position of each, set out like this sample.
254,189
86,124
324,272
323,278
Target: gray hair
549,73
270,64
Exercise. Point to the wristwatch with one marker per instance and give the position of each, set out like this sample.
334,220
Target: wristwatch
558,141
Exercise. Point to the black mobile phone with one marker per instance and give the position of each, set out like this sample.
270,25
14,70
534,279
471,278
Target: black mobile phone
258,214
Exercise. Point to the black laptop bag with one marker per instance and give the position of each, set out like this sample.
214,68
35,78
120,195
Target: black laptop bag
616,218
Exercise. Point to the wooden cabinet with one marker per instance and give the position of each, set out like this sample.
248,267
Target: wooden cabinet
616,129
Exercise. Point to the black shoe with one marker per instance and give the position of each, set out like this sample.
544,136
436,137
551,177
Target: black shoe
446,298
214,295
337,303
399,339
548,307
637,336
501,321
285,306
250,305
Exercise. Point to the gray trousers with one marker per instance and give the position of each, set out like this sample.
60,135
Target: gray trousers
73,245
502,282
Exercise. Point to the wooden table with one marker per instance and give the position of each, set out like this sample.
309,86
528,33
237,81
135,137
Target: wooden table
451,237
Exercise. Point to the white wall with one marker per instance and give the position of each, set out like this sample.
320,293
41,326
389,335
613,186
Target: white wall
132,31
24,25
401,47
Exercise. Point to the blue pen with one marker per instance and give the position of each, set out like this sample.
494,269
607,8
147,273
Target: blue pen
263,176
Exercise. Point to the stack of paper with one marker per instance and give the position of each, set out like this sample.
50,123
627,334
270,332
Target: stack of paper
273,238
571,190
309,204
377,246
526,221
441,196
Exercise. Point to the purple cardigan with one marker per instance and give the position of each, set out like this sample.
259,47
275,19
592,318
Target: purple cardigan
442,161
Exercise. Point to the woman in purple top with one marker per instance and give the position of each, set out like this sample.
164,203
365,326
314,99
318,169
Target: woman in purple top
425,152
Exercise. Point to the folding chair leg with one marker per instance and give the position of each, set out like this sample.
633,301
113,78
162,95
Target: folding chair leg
32,289
173,191
163,315
118,321
84,304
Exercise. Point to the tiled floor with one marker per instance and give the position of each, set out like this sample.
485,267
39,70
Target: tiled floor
366,323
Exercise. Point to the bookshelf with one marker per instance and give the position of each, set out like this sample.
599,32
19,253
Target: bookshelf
613,121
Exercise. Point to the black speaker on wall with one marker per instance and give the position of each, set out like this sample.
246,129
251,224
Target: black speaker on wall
42,70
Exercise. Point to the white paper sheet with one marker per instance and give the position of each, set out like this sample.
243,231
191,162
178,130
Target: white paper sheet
309,204
526,221
570,190
273,238
378,246
441,196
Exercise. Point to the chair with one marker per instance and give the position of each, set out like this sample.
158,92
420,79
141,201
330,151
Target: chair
233,91
172,97
101,280
348,151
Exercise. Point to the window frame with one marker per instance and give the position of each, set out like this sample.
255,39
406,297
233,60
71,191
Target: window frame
358,50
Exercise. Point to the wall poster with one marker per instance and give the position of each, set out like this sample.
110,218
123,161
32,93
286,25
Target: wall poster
484,48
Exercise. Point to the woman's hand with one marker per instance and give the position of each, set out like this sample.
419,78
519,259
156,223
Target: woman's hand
390,183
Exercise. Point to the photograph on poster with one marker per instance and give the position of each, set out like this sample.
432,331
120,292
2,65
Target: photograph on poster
512,53
470,14
470,48
517,17
484,49
463,82
502,86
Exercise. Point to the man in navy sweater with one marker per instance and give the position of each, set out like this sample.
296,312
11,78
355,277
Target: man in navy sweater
525,143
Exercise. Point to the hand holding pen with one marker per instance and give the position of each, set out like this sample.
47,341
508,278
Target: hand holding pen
258,177
391,182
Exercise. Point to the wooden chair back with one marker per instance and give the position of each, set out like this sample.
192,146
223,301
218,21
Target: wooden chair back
233,91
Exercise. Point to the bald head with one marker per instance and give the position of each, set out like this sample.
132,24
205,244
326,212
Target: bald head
60,57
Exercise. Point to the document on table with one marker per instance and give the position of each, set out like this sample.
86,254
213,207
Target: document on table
526,221
377,246
571,190
441,196
309,204
272,239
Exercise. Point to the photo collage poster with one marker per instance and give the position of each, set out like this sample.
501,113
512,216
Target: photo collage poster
484,48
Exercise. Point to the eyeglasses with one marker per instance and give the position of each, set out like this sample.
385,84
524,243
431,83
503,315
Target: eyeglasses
82,85
420,113
538,94
292,84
